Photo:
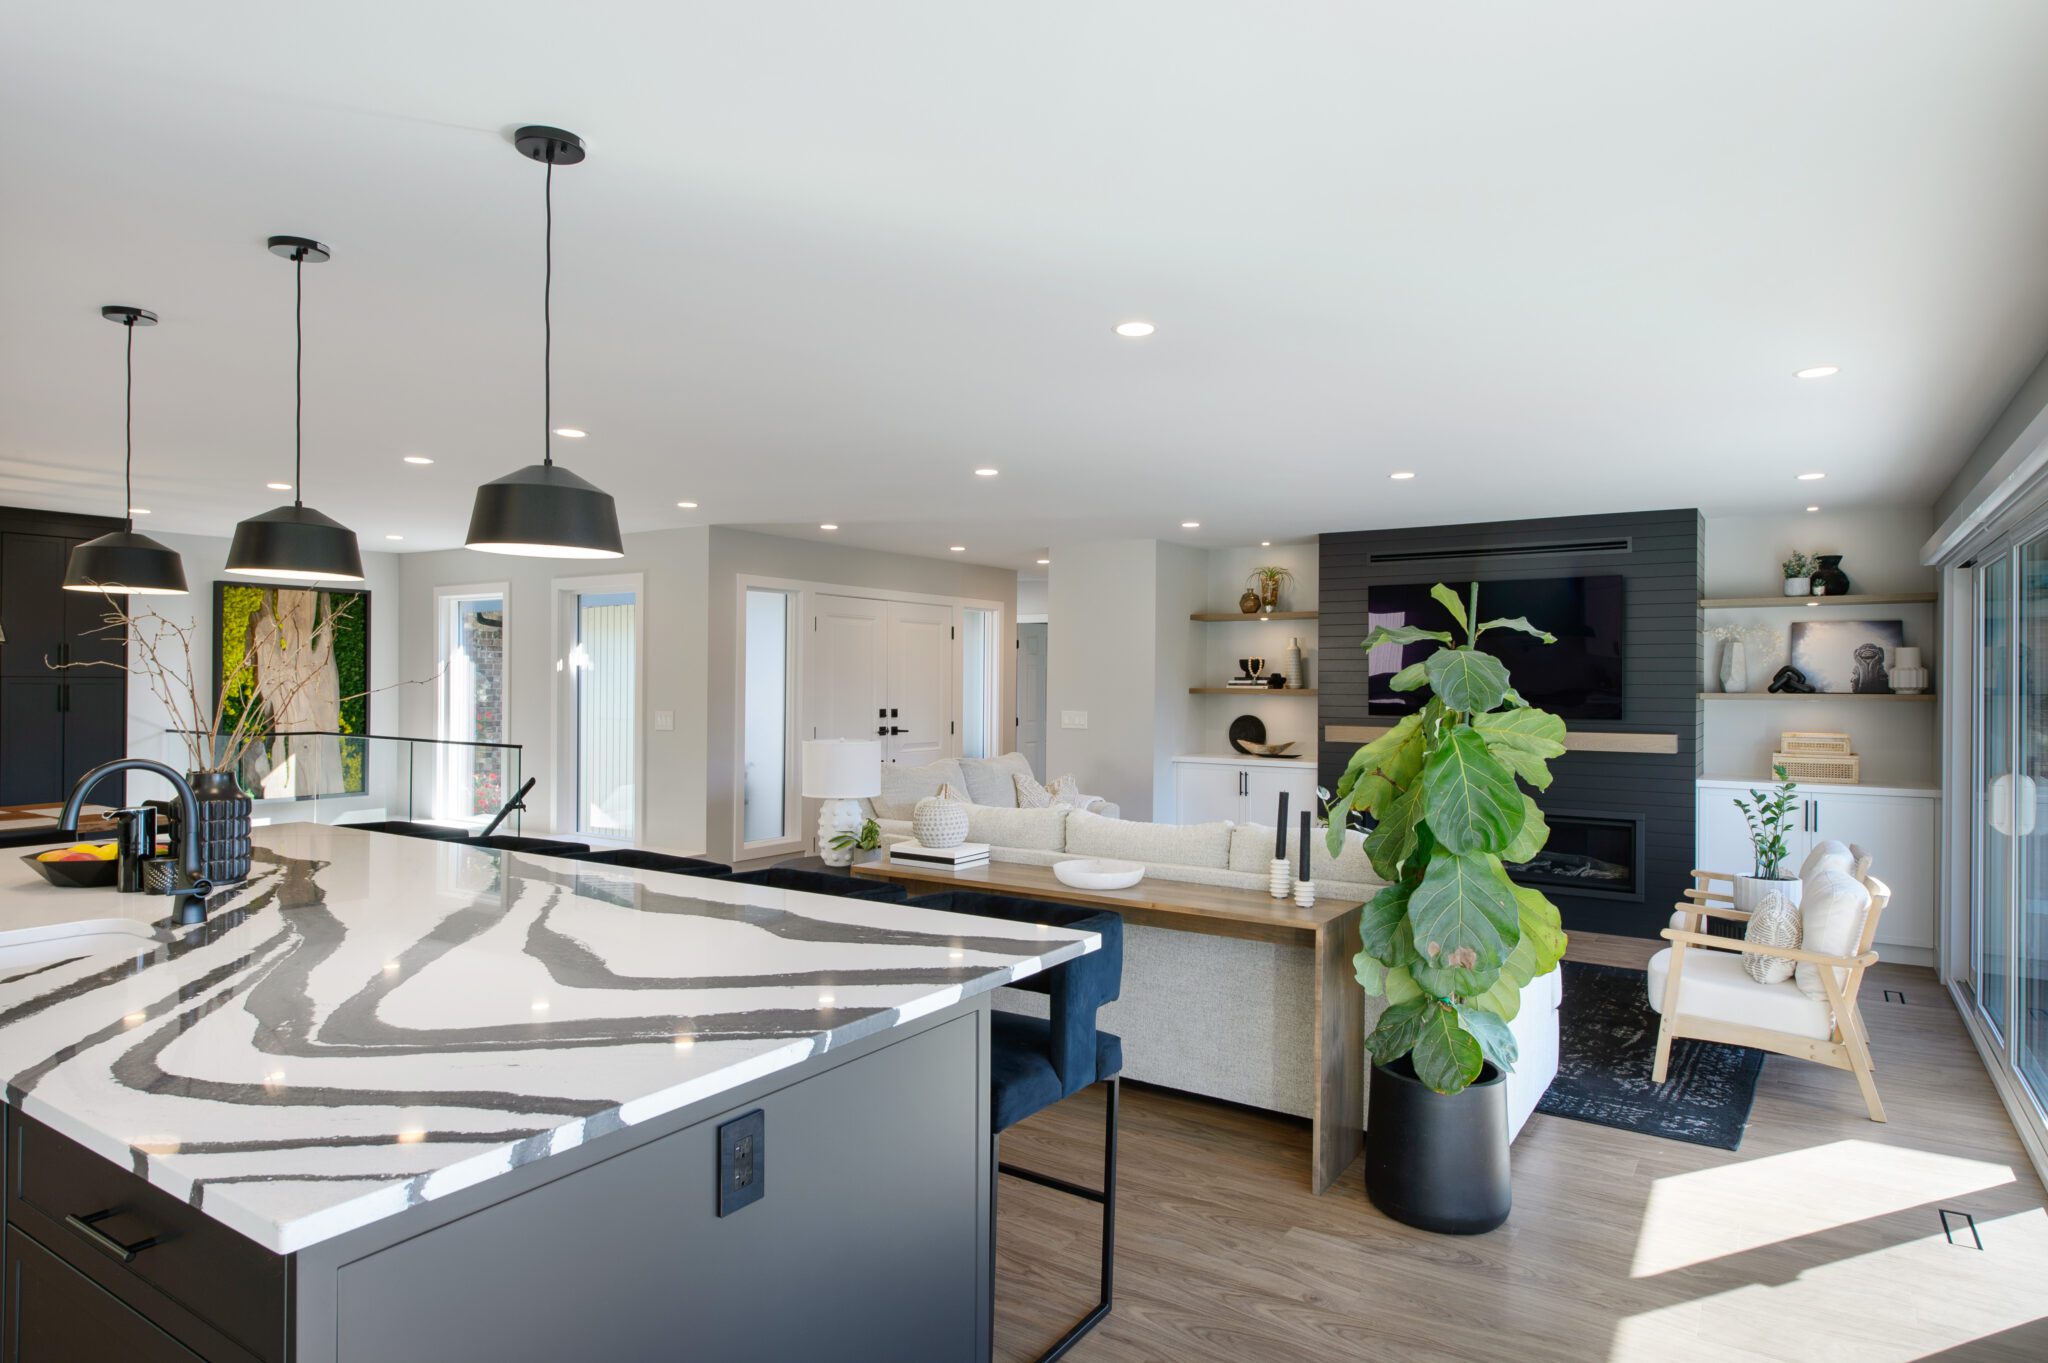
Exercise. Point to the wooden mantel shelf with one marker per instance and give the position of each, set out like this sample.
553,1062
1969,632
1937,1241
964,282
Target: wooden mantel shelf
1223,616
1858,696
1851,599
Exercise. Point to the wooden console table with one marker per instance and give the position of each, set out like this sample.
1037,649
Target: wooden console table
1330,927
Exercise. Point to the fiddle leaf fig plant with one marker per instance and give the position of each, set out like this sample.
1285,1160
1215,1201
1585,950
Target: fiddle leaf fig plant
1451,941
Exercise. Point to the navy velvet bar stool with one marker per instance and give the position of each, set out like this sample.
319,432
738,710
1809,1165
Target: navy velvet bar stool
636,859
821,882
1035,1062
539,847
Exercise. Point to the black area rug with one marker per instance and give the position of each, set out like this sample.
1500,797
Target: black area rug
1607,1048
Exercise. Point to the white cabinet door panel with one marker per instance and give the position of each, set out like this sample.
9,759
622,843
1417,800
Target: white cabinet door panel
1205,792
1263,787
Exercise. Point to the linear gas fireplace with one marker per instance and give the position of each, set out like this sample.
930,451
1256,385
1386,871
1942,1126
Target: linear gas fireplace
1588,854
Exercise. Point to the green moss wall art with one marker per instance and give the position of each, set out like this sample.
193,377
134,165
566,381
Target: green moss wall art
301,657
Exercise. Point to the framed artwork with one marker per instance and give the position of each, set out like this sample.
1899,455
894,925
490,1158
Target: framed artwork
1846,655
304,654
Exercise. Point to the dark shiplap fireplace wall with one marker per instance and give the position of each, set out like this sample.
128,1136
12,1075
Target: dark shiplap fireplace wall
1661,556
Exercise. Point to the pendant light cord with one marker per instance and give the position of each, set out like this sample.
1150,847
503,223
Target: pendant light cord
128,461
299,377
547,325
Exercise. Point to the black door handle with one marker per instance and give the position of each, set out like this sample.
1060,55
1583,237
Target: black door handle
883,731
100,1240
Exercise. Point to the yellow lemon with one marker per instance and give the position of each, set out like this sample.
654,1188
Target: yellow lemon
107,851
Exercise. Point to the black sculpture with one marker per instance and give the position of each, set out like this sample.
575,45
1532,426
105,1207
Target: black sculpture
1790,681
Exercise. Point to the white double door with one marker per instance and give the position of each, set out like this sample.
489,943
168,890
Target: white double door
883,669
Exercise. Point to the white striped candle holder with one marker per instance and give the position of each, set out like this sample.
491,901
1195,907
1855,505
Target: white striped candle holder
1305,893
1280,877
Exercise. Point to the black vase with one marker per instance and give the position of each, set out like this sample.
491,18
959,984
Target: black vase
224,847
1438,1162
1828,578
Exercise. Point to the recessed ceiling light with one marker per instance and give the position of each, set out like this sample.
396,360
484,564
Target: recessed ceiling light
687,506
417,459
986,473
1042,562
138,511
828,526
279,487
394,537
570,433
1401,477
1265,544
1811,477
1134,329
1813,508
1191,525
1819,371
958,548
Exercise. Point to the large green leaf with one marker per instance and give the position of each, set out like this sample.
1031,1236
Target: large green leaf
1466,679
1398,1028
1446,1056
1405,634
1535,832
1380,921
1504,998
1470,797
1520,622
1448,599
1525,739
1413,677
1464,919
1392,840
1496,1042
1540,923
1401,985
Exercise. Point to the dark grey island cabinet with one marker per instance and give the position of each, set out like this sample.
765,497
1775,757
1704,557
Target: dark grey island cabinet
869,1240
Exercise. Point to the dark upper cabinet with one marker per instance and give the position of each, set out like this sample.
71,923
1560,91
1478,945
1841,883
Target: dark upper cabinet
33,608
95,727
88,638
31,741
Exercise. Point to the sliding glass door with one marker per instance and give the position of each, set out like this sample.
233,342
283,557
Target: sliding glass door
2028,1021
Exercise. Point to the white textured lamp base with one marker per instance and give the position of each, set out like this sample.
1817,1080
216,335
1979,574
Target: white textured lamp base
836,817
1280,877
1305,893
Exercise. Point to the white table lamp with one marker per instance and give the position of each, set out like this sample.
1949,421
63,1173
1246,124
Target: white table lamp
841,772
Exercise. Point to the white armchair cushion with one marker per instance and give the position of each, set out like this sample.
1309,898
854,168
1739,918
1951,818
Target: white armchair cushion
1716,987
1825,851
1831,910
1774,924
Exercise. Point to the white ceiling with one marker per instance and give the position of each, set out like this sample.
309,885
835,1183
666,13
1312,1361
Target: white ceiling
826,258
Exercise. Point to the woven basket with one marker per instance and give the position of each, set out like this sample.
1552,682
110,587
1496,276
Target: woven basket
1819,769
1822,742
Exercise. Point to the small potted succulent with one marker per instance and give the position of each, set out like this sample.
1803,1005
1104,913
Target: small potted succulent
1798,573
1770,818
1267,581
863,844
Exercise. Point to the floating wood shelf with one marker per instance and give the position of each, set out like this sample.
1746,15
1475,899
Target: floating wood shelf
1220,616
1852,599
1813,695
1578,740
1250,691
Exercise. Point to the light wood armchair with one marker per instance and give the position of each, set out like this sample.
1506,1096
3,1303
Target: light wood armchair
1724,1004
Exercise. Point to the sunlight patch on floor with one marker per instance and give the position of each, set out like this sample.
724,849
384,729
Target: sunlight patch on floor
1710,1213
1892,1305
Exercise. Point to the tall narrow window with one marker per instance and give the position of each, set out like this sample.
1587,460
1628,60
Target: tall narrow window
603,659
980,684
472,782
765,788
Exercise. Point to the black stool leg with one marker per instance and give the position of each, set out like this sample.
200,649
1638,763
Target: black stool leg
1106,1196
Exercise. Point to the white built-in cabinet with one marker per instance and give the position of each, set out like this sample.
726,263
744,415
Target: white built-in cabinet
1240,789
1896,825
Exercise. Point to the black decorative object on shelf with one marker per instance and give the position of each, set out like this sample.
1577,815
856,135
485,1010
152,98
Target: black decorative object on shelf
543,510
124,563
225,849
1828,578
1790,681
1277,682
296,542
1246,729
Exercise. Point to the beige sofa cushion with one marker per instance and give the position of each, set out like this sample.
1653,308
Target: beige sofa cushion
993,780
1041,830
903,787
1200,844
1251,852
1251,848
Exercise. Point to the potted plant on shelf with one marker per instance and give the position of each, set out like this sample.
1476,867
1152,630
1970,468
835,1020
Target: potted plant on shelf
863,844
1770,818
1798,573
1451,942
1266,581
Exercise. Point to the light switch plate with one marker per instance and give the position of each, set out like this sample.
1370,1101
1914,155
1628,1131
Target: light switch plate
1073,719
664,721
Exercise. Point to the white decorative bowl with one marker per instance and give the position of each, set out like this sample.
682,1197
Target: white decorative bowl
1098,875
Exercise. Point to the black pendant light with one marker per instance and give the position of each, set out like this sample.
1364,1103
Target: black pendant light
296,542
125,563
543,510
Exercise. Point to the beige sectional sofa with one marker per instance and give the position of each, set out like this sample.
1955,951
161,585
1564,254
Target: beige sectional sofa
987,781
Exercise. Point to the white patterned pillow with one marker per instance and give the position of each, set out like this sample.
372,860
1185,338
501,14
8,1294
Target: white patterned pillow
1063,792
1774,924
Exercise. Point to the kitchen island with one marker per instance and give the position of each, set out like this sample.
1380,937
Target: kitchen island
408,1099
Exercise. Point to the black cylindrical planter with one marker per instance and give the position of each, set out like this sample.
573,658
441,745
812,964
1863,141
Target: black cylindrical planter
1437,1162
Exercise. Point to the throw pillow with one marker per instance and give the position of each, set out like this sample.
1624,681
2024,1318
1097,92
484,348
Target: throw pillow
1064,791
1774,924
1831,910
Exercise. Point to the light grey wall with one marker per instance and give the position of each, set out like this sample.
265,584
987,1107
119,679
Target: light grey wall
737,553
673,610
1032,595
1182,575
2008,427
1102,633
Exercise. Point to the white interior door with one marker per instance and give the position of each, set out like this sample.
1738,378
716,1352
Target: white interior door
1031,696
919,684
846,669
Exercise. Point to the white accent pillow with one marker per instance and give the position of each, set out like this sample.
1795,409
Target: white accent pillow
989,779
1825,851
1064,792
1831,910
1774,924
903,787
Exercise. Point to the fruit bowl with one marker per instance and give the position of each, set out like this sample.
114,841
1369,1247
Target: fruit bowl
1090,874
84,874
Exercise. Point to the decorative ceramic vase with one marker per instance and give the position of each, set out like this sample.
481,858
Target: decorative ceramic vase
225,852
1269,593
1909,675
1305,894
938,821
1249,602
1734,666
1750,891
1828,578
1798,586
1296,677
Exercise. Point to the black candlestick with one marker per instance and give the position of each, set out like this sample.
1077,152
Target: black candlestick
1280,843
1304,844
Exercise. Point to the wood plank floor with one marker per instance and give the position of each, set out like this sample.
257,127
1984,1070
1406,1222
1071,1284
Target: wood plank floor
1818,1241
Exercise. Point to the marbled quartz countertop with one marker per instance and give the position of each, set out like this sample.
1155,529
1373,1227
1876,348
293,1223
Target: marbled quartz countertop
373,1021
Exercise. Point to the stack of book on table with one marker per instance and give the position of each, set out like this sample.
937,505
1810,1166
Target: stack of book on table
966,854
1250,683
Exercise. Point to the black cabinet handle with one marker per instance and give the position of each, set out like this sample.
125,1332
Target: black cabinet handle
100,1240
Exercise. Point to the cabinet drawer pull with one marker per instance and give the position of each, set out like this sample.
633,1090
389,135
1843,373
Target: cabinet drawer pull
100,1240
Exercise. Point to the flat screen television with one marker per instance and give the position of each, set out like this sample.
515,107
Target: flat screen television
1578,677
